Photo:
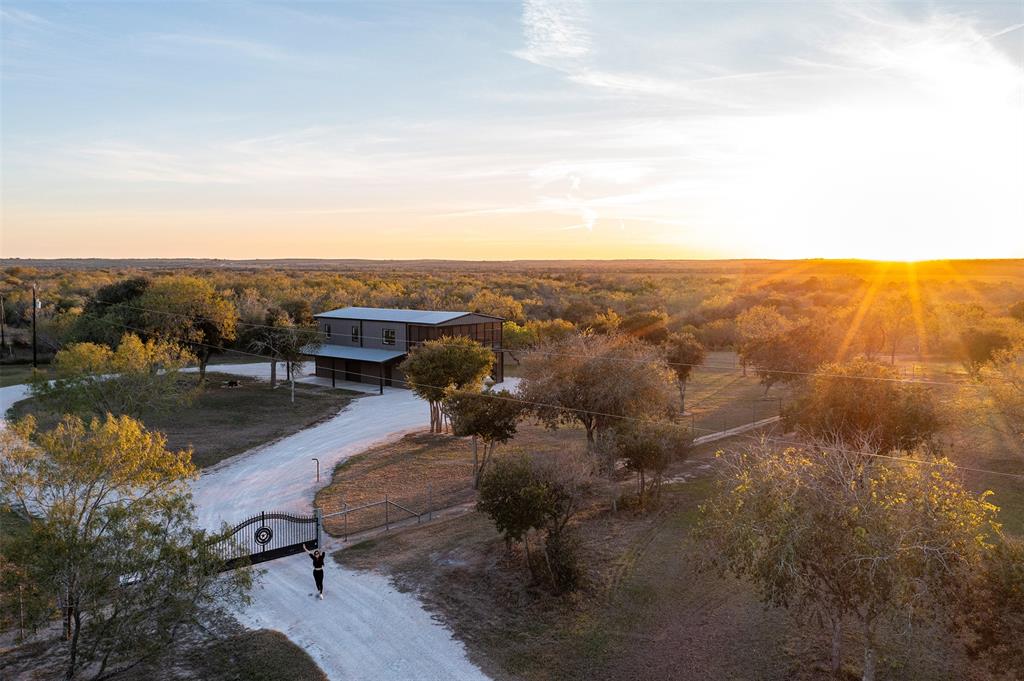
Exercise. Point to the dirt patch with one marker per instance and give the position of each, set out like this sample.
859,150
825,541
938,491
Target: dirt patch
420,472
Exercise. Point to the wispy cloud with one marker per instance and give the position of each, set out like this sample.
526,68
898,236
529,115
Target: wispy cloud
23,18
645,124
237,46
555,32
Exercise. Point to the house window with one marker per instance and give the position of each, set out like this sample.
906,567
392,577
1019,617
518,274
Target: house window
355,333
389,337
327,329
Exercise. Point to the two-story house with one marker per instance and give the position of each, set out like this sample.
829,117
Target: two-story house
366,344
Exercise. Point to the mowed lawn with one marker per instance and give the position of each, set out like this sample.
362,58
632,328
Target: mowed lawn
223,421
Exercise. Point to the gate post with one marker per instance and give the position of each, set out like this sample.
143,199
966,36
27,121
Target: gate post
319,519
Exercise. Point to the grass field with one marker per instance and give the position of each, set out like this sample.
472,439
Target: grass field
13,374
231,653
648,611
421,471
224,421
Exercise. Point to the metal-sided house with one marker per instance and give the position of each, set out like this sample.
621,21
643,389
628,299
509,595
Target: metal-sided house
366,344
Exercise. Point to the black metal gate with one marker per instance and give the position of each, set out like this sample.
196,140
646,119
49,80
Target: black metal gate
267,536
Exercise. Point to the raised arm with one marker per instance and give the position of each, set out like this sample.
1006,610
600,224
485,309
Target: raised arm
306,550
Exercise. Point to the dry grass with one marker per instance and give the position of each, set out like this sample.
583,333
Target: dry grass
261,655
228,653
224,421
647,612
420,472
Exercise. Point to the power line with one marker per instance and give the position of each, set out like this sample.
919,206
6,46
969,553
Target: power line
665,362
513,398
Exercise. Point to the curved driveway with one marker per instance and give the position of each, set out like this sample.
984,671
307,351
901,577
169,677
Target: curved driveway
364,629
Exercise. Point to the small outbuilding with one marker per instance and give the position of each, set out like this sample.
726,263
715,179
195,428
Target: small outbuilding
366,344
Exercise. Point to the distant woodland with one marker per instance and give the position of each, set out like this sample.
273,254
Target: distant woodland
886,310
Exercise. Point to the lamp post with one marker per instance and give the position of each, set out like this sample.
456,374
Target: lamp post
317,468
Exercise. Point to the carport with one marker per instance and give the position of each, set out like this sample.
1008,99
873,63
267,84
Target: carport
365,365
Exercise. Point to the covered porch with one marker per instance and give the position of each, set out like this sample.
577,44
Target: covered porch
338,364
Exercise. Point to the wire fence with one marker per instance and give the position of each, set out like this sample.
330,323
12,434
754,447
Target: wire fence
361,511
739,412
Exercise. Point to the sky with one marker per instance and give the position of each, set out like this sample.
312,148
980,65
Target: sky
542,129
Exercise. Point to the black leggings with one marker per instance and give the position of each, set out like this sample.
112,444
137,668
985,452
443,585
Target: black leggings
318,575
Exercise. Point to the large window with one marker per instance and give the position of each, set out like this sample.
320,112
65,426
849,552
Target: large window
389,336
327,330
355,333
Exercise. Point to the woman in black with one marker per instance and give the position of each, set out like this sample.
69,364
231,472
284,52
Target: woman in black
318,568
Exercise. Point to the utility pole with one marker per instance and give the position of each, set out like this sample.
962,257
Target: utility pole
3,327
35,362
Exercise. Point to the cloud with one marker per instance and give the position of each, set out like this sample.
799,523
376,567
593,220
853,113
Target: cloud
23,18
555,33
236,46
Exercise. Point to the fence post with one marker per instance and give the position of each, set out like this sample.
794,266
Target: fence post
387,524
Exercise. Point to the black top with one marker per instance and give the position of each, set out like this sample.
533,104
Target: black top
318,561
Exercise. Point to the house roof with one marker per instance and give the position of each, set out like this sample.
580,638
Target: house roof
384,314
345,352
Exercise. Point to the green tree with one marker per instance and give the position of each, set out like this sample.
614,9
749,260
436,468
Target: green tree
649,326
498,305
719,334
134,379
684,352
188,310
650,446
111,310
514,499
995,399
756,327
993,616
300,310
863,401
516,338
520,495
607,322
436,366
979,345
490,416
895,322
595,379
285,342
110,539
782,351
829,531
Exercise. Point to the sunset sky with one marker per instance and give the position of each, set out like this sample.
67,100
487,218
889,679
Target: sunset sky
507,130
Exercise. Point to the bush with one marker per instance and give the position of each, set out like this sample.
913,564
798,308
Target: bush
564,563
521,495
